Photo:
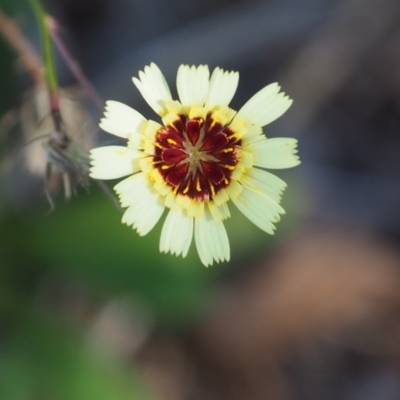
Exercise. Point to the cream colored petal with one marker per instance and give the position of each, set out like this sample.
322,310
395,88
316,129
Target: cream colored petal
223,85
192,84
112,162
211,240
120,119
145,140
145,206
154,88
264,182
265,106
196,209
177,233
233,190
130,188
253,134
221,197
259,209
276,153
219,213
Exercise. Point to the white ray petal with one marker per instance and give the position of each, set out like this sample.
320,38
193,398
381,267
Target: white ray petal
120,119
192,84
265,106
112,162
211,240
219,213
264,182
275,153
154,88
130,188
145,139
259,209
177,233
254,134
223,85
145,207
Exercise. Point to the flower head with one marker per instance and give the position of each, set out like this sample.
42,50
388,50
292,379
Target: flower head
203,155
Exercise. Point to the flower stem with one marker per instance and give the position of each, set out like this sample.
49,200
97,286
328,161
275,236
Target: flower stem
49,63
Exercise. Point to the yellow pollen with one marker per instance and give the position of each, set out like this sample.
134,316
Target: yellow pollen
212,189
171,141
159,146
230,167
198,187
166,166
215,121
186,189
228,150
226,181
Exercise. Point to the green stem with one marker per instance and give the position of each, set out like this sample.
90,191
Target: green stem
49,63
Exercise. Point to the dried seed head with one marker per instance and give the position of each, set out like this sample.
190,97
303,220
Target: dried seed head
59,156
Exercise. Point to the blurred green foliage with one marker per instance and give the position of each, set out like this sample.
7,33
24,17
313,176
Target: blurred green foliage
85,241
42,361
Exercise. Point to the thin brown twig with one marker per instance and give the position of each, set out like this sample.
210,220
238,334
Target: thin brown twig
28,56
72,63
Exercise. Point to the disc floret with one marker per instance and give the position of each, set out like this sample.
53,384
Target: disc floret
196,156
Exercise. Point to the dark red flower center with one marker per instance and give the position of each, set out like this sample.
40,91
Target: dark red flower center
196,156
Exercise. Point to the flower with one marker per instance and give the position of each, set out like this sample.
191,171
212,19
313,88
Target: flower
203,155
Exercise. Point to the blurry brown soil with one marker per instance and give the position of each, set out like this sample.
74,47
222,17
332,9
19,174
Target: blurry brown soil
329,288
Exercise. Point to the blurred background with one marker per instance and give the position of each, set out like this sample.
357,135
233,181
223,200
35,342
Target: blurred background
89,310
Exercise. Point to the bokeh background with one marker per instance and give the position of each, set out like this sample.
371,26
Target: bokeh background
89,310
